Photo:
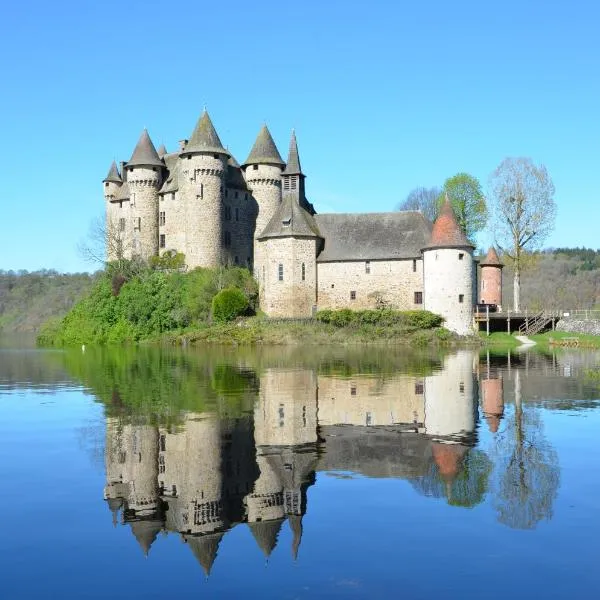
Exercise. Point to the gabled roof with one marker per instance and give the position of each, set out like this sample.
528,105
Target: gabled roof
204,138
145,153
265,533
123,193
446,232
491,259
372,236
293,162
290,220
235,177
264,151
113,174
171,183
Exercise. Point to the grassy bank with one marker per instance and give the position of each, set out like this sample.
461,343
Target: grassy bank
505,341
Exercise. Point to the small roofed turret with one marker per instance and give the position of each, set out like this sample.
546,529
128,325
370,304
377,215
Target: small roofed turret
293,163
113,174
145,154
491,259
204,139
490,289
264,151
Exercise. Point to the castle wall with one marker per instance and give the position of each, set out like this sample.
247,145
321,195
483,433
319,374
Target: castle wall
292,297
202,186
239,215
448,279
393,281
173,205
143,187
490,291
368,401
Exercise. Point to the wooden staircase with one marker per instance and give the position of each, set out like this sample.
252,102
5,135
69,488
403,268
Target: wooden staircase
538,322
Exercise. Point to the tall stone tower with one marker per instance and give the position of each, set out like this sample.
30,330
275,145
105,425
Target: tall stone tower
112,184
288,247
490,291
263,177
448,273
203,168
144,178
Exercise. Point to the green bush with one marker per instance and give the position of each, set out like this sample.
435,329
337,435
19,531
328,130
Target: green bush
409,320
229,304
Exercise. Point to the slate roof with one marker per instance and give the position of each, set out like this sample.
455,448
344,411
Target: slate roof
372,236
145,533
171,183
145,153
205,548
293,163
446,232
123,193
289,220
264,151
205,138
235,177
113,174
491,259
265,533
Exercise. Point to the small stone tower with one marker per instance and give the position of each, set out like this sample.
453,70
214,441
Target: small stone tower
112,185
263,176
448,273
112,182
490,291
144,178
203,168
288,248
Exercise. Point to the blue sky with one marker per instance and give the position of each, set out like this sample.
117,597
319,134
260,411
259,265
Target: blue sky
385,96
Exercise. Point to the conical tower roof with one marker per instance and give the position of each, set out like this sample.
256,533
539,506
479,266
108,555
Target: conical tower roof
264,151
145,533
205,548
113,174
291,219
491,259
205,138
145,153
162,150
295,522
265,533
446,232
293,163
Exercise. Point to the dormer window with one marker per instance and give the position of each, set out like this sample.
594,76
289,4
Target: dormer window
287,222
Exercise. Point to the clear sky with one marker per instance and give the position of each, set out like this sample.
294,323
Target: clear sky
385,96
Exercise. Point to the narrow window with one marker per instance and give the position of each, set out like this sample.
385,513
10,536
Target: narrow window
228,213
461,298
369,419
163,443
162,240
418,297
227,239
419,388
461,256
201,190
237,214
173,196
255,167
245,196
353,390
280,272
121,204
281,415
236,260
353,295
121,224
161,217
303,271
137,224
236,195
368,266
286,183
226,193
461,387
304,416
414,265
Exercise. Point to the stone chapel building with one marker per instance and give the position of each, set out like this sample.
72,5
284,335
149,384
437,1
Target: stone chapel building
199,201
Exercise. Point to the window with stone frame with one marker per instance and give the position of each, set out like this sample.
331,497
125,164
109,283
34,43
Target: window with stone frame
414,265
353,295
137,223
461,298
418,297
162,240
280,272
122,224
227,239
367,266
161,217
303,271
228,213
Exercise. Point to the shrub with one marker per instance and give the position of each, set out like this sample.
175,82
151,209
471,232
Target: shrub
229,304
410,320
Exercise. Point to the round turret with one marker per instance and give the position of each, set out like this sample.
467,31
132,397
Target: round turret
203,168
112,182
448,273
490,291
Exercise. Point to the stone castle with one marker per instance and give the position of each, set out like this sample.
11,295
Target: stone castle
199,201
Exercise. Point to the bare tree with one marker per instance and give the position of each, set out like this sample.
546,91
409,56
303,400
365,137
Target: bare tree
423,199
523,210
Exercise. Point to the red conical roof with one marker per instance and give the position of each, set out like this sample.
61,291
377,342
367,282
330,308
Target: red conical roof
446,231
491,259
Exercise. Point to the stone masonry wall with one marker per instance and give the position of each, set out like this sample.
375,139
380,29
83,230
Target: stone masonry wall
590,327
446,278
172,205
490,291
238,225
202,187
393,281
292,297
143,188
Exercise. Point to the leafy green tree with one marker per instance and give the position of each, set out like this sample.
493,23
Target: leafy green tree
229,304
468,201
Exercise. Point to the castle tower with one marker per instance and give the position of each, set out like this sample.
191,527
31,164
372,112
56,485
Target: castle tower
144,178
112,182
263,177
490,291
115,221
448,273
203,168
288,247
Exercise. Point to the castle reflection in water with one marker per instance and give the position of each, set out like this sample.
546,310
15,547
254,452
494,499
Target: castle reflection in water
207,474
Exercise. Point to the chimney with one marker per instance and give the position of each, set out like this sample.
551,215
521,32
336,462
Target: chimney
182,145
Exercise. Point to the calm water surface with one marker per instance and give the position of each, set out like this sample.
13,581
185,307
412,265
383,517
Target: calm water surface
288,473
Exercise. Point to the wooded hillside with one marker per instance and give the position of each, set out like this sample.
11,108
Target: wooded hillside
29,299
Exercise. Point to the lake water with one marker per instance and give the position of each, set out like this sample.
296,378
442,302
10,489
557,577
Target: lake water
290,473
